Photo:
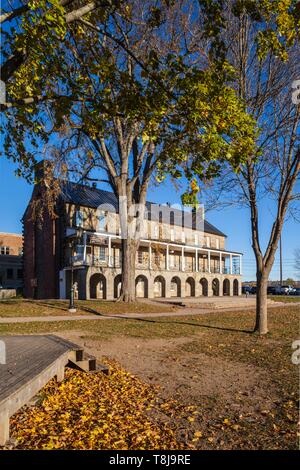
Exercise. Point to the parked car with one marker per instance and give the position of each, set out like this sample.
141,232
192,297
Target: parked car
286,290
296,291
271,290
246,289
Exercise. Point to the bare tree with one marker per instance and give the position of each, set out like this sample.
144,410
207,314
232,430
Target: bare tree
269,180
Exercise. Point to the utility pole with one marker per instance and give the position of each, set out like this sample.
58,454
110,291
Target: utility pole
280,254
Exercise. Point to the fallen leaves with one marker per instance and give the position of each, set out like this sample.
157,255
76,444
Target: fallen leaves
94,411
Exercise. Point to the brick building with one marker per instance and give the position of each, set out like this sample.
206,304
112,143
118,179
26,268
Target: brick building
11,261
176,258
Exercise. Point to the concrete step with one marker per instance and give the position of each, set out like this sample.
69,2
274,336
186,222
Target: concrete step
85,363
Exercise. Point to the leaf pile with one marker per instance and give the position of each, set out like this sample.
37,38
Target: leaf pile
94,411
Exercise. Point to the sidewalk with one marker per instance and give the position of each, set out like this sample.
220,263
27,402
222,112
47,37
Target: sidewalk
179,313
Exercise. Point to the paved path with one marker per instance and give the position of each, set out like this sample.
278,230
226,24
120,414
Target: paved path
184,312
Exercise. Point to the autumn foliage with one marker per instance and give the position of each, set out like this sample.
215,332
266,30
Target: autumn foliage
95,411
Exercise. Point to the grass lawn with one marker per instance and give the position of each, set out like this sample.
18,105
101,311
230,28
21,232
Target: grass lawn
38,308
219,385
284,298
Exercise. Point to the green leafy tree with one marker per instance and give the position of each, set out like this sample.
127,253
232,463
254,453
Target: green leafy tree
124,95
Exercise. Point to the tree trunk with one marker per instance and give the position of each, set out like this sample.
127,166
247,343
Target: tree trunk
129,249
261,325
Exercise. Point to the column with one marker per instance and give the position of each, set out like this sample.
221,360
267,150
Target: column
208,257
109,252
84,247
220,267
182,259
230,257
196,264
150,256
167,258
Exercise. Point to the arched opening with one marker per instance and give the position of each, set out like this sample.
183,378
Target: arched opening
141,287
190,287
226,287
117,286
204,286
216,287
97,286
175,287
159,289
235,287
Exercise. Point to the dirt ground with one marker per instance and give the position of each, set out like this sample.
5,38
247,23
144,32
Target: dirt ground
230,395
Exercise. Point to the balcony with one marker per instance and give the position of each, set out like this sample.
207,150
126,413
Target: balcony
91,260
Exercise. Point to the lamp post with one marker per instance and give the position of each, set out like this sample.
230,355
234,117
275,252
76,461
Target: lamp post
72,308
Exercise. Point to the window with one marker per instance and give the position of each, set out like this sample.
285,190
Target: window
101,220
172,234
155,235
20,273
10,273
171,261
208,241
160,218
217,243
183,237
102,253
196,238
79,218
140,257
79,249
172,218
4,250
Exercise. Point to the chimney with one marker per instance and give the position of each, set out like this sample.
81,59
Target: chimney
40,171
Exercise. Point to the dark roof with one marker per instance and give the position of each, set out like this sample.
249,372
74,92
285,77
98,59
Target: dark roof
87,196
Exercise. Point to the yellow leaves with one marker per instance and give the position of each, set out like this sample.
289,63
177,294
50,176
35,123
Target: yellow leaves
97,412
226,422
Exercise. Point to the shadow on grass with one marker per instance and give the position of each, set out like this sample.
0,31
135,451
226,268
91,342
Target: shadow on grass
199,325
47,304
57,306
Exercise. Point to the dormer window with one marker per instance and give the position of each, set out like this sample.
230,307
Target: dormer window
79,218
101,221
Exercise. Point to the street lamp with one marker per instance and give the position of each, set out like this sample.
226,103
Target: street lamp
72,308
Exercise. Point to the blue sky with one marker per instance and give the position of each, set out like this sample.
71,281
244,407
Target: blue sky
15,193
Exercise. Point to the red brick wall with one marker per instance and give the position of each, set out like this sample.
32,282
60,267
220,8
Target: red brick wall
42,242
13,241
